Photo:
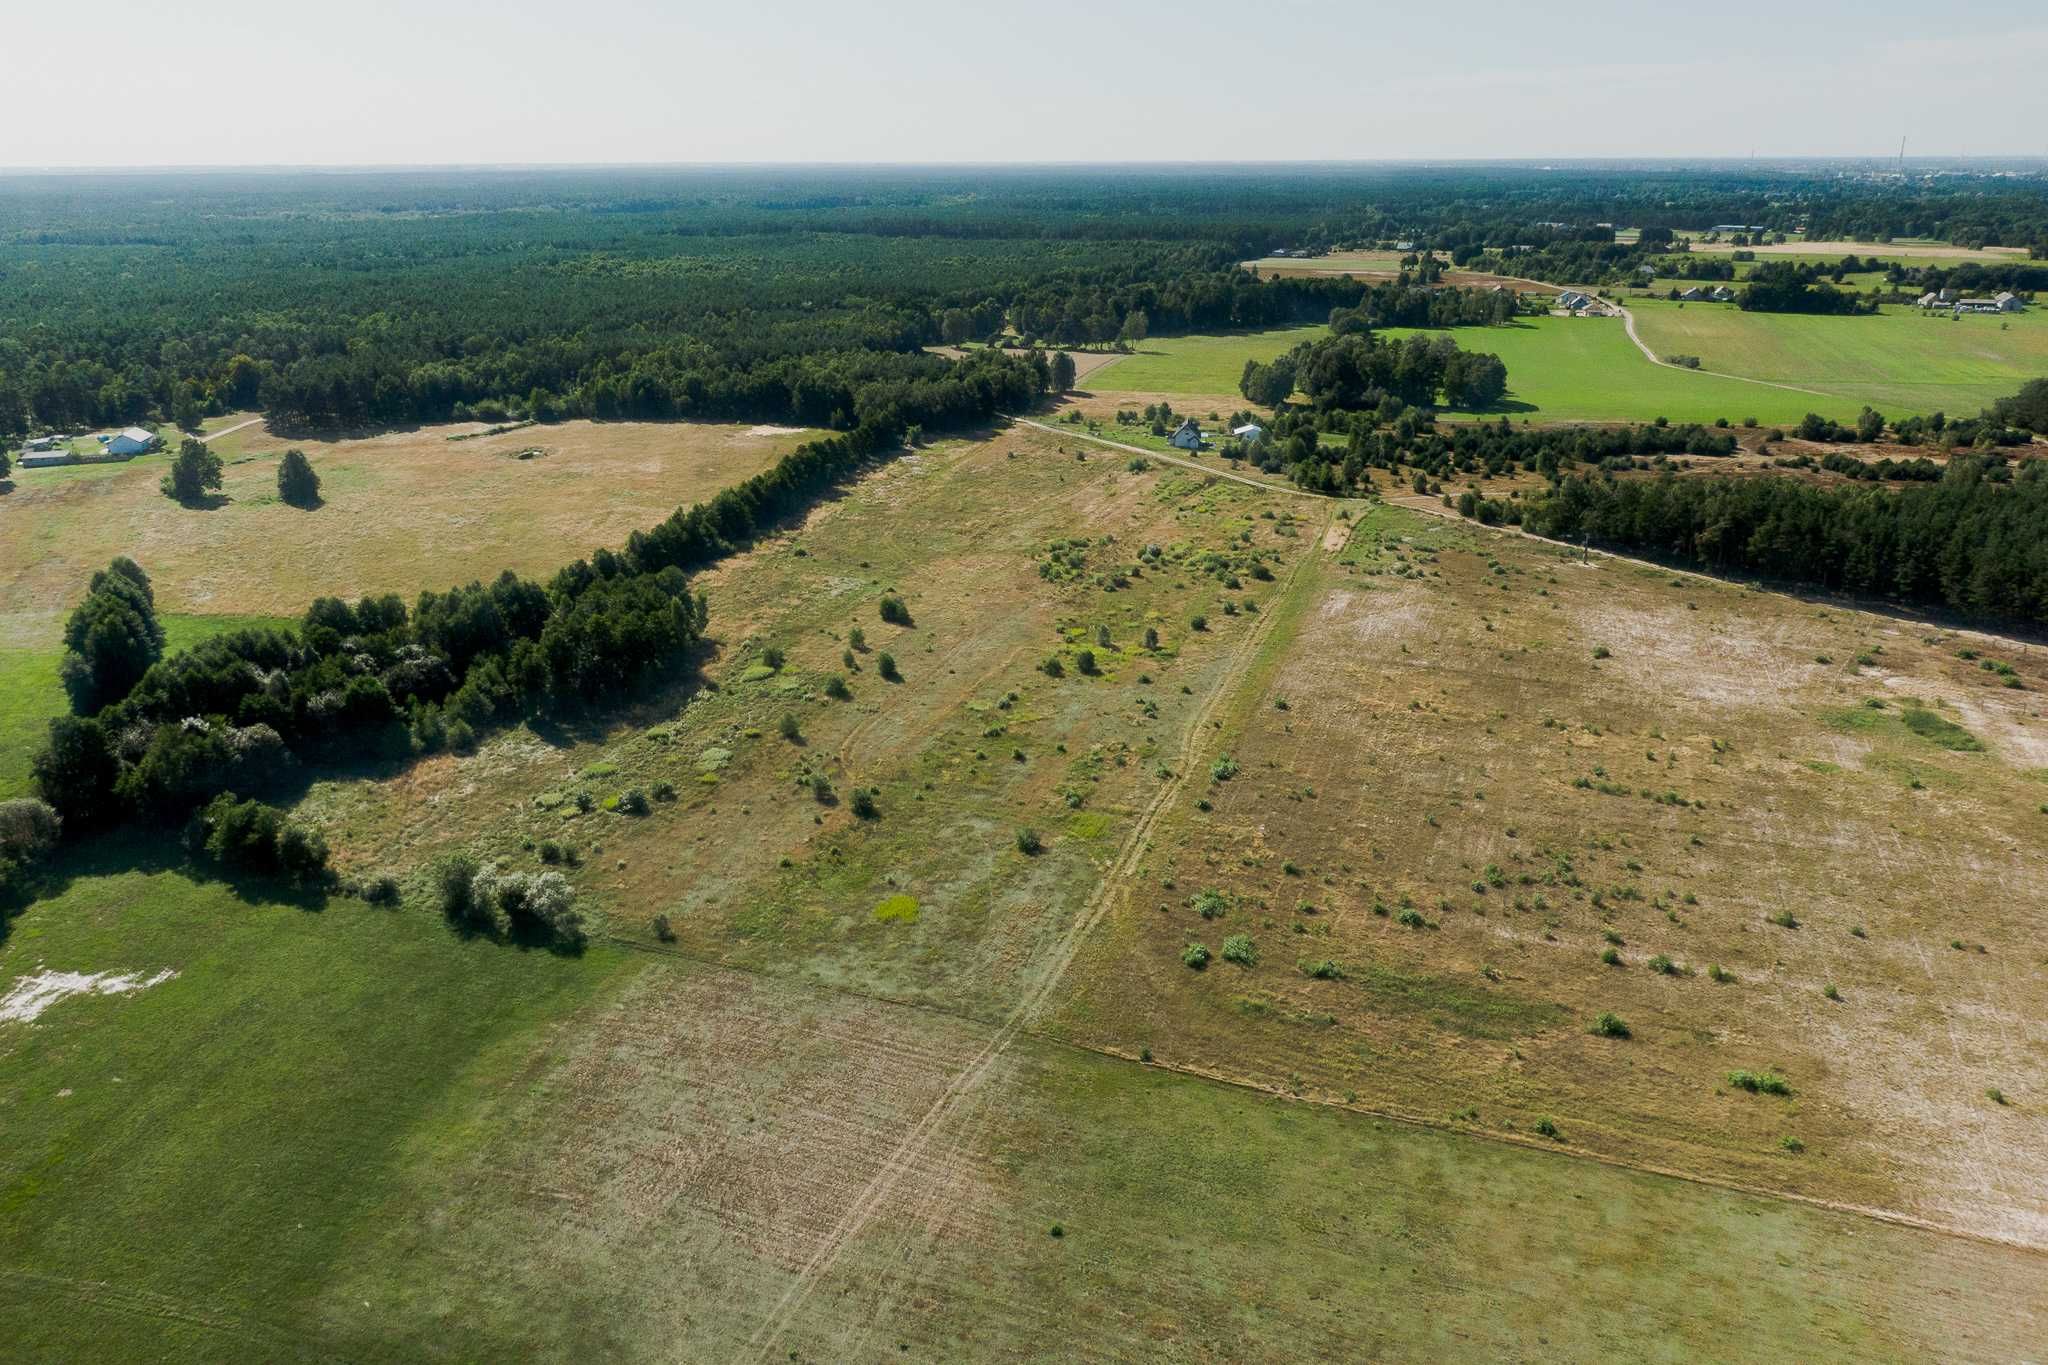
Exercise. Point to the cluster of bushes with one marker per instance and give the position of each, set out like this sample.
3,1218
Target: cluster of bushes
528,906
250,837
1976,541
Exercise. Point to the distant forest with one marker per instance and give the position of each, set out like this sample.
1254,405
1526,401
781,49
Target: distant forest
345,300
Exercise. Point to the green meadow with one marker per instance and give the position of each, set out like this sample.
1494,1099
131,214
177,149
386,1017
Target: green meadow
1899,361
1195,364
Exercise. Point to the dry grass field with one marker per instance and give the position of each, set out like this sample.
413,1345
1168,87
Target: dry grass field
1809,836
841,1086
401,512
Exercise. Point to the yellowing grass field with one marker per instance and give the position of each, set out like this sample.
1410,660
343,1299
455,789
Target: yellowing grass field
910,1086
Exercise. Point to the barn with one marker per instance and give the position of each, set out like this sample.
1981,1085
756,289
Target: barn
132,441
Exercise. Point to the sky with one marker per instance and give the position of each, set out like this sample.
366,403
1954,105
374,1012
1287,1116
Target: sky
434,82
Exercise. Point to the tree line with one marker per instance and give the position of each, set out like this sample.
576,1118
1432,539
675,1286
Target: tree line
156,737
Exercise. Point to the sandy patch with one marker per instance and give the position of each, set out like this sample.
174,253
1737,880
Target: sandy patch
32,995
770,429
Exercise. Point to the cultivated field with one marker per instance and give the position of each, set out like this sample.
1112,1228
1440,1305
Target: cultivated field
909,1085
1909,251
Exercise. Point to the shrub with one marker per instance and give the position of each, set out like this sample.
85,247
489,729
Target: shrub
1547,1127
1052,667
1601,652
893,611
1830,992
1611,1026
1663,966
252,837
772,656
664,790
663,930
1210,903
1785,919
788,727
863,805
1324,970
1238,948
1792,1144
1028,842
1719,974
1995,1095
856,638
1198,623
821,789
885,664
1151,638
1084,662
836,688
633,801
1195,955
455,880
1411,918
1223,769
1759,1082
1611,957
550,852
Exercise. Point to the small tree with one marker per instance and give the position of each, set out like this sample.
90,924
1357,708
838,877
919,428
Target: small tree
789,728
1062,372
885,664
297,484
194,473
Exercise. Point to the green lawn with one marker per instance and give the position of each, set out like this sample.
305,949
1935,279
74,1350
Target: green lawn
1195,364
30,693
196,1152
1899,361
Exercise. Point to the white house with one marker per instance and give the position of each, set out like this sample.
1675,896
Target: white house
2007,302
132,441
1251,433
1930,299
1187,436
1721,293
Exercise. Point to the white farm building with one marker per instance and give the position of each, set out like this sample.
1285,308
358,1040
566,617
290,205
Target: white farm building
132,441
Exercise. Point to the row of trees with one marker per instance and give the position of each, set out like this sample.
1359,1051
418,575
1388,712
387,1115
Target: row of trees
1970,542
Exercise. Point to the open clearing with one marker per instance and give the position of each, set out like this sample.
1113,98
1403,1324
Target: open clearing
810,1126
402,511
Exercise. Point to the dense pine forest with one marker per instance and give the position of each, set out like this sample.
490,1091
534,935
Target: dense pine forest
351,299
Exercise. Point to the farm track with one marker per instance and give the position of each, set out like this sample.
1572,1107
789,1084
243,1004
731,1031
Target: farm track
1231,475
912,1150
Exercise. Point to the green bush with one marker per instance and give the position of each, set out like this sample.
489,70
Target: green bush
885,664
633,801
863,805
1239,948
1759,1082
1323,970
1195,955
789,728
836,688
1028,842
1611,1026
893,611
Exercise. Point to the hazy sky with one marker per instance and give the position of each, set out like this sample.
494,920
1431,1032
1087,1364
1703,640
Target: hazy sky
224,82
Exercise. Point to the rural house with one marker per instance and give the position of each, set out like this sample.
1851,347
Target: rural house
1573,300
40,459
2007,302
1187,436
132,441
1251,433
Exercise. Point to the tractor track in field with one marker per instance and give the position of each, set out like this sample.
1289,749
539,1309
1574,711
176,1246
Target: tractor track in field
912,1149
